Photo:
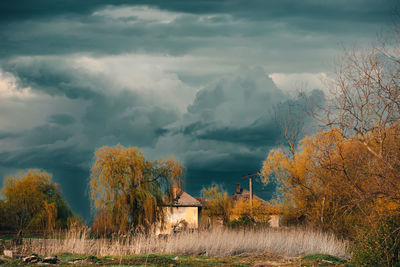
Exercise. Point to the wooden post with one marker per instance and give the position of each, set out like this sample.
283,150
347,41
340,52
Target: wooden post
251,191
250,177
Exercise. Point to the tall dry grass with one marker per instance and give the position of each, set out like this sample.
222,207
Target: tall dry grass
215,242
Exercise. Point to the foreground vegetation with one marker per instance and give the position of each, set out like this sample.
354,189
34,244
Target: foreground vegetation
176,260
222,242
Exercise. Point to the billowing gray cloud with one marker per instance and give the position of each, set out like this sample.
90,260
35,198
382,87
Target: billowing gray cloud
280,35
236,109
61,119
230,126
53,77
259,10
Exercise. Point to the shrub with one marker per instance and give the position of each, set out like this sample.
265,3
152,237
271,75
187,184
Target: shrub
248,222
379,245
324,257
243,221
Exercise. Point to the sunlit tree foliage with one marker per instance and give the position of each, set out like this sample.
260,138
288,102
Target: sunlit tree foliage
127,189
256,210
349,174
333,181
33,203
218,203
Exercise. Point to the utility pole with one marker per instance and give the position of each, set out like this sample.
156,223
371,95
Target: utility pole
250,177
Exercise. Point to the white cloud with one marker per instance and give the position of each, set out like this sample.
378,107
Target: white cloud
9,87
140,13
152,77
298,82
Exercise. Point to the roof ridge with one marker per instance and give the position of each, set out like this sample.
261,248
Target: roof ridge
183,199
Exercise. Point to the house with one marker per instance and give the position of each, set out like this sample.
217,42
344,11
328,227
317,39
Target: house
183,212
243,195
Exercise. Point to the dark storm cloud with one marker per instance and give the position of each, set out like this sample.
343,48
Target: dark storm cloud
65,163
227,170
125,119
45,134
53,27
47,157
258,9
262,131
236,109
259,133
5,135
53,77
111,117
61,119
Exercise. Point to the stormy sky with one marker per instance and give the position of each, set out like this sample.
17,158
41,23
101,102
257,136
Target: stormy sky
195,79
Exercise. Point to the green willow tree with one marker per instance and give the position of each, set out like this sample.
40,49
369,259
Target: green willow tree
127,189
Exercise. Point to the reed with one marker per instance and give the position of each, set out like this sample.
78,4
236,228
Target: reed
215,242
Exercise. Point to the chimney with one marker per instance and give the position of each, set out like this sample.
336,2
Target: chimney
237,188
174,191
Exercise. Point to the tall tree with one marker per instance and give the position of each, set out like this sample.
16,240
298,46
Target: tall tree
127,189
361,150
332,180
364,103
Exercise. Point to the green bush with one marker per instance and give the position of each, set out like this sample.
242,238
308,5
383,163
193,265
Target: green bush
379,244
323,257
243,221
247,222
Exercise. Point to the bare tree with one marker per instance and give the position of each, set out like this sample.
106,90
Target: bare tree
293,116
291,123
364,103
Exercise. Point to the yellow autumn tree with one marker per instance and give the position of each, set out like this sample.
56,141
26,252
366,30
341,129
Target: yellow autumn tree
33,203
257,211
127,189
218,203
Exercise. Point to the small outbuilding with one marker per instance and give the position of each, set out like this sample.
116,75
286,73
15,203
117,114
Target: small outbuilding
182,213
243,195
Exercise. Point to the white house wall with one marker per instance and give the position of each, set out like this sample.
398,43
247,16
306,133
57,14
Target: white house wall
174,215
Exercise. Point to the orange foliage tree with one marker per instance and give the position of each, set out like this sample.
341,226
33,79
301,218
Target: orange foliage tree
334,181
127,189
348,174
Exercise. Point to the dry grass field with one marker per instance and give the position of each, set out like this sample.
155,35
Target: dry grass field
221,242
